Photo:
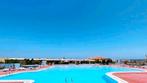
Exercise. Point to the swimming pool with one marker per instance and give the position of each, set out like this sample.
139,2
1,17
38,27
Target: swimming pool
68,74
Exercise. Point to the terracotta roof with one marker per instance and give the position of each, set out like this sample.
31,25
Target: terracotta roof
98,57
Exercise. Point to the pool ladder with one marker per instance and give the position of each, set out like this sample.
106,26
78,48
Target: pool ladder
71,80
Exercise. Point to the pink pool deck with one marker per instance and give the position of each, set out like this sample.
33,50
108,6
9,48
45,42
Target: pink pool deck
15,71
133,77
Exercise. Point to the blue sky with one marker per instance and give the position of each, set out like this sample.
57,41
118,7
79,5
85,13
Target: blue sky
73,28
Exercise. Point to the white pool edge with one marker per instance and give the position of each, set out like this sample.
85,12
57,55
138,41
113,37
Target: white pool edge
119,80
24,81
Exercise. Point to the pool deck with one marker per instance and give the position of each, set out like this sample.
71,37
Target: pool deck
133,77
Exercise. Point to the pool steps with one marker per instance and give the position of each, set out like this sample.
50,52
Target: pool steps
71,80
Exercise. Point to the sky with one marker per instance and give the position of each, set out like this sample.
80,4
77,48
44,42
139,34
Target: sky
73,28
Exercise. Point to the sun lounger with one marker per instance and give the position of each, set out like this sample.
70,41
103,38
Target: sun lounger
5,70
21,68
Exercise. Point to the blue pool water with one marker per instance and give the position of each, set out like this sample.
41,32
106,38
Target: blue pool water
68,74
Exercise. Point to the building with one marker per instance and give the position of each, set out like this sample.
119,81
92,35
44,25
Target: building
2,60
45,61
137,62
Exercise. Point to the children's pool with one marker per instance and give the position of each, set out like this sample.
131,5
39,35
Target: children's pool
69,74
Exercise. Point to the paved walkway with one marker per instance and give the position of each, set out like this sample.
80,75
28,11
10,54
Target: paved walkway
133,77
